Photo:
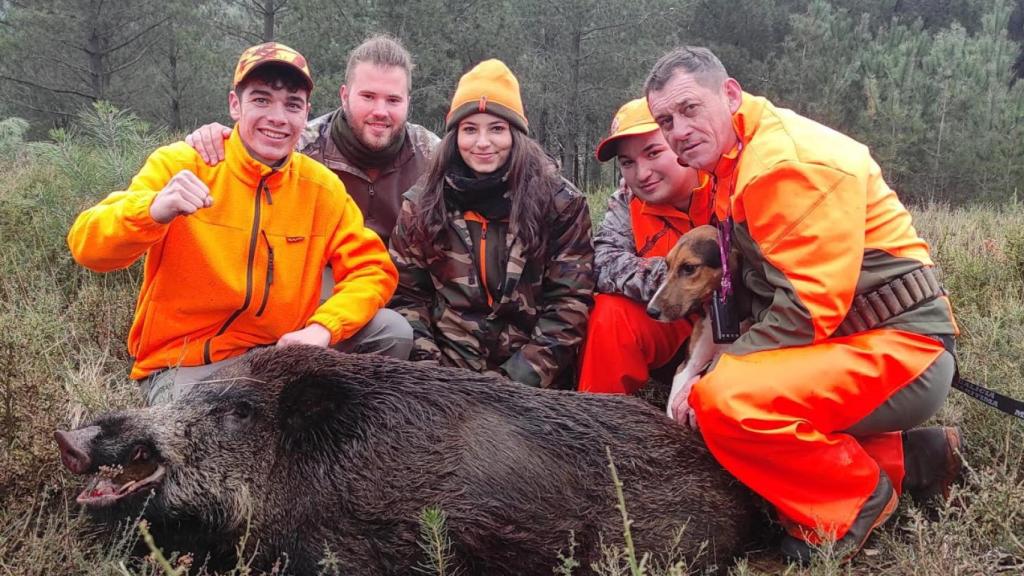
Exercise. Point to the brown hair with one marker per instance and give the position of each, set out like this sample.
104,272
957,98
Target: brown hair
380,50
533,180
695,60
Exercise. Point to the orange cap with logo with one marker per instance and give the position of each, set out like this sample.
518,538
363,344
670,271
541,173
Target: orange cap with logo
633,118
256,56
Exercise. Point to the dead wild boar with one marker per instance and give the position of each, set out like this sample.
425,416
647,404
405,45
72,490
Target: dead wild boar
317,451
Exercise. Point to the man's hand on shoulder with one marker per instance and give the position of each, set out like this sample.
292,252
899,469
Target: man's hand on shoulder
184,194
314,335
208,140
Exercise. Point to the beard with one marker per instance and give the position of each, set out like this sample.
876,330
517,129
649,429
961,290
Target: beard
375,142
362,133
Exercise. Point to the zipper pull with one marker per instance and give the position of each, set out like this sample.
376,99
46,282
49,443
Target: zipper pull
270,258
262,186
483,262
270,266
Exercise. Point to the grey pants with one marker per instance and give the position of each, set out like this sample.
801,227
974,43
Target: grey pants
913,404
387,333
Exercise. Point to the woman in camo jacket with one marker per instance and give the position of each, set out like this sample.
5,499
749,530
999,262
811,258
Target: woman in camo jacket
494,247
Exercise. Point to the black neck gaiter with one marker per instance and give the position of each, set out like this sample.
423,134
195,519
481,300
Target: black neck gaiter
358,153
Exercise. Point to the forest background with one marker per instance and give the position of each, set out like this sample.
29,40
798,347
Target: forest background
929,85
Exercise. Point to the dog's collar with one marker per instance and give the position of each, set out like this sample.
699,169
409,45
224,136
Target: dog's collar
724,247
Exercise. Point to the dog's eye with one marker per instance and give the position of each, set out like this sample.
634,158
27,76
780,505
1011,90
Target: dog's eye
687,269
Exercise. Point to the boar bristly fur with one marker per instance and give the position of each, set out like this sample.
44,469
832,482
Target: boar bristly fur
313,451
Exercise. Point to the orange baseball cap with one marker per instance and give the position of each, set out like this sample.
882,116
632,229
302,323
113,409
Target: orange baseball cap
633,118
256,56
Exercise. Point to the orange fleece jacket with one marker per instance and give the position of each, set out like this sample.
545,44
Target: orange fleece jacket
244,271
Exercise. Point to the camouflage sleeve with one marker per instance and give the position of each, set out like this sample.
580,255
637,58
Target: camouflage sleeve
424,140
618,268
308,141
568,293
415,292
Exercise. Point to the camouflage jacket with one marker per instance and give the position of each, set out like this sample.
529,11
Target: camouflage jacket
379,199
533,329
631,244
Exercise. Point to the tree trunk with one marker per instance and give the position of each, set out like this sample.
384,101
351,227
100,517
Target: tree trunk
575,111
269,14
175,84
98,79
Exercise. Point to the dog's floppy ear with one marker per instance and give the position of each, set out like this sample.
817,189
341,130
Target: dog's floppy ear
699,246
708,252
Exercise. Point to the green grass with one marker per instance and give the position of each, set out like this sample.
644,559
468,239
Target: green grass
63,358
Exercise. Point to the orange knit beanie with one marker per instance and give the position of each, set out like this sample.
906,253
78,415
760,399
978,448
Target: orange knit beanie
489,87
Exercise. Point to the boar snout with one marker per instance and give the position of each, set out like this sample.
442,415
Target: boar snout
74,448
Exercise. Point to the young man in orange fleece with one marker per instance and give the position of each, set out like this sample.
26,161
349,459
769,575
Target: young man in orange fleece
235,252
658,202
815,407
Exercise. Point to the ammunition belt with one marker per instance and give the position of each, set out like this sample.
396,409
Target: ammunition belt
874,308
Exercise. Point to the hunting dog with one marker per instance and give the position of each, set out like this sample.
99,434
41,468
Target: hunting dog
694,272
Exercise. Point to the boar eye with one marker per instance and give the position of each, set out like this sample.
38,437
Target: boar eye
242,411
238,415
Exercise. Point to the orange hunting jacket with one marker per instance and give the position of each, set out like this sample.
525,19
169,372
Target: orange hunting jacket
244,271
816,225
631,244
657,228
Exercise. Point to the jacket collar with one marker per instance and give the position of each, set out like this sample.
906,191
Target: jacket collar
246,168
663,210
699,210
648,209
744,123
723,178
748,117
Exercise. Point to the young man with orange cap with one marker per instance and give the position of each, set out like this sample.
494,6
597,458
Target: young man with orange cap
816,406
493,249
658,202
367,141
234,252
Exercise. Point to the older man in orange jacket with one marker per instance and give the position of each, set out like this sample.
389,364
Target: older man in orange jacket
851,344
234,252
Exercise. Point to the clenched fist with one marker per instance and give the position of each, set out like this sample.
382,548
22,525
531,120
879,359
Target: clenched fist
184,194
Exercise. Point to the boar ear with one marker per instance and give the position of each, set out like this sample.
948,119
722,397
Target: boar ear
315,407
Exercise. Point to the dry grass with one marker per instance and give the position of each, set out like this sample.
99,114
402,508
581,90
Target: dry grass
62,357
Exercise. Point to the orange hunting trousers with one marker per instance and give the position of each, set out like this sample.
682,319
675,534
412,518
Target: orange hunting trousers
623,343
775,420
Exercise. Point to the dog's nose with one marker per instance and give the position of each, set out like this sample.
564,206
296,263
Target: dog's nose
653,311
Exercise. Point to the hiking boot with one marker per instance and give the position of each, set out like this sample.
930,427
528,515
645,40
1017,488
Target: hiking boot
933,462
878,508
